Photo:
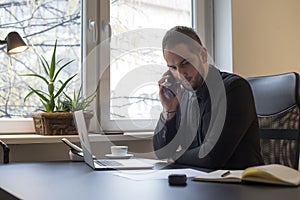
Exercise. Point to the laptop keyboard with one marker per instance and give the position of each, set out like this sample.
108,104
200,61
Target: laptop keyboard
108,163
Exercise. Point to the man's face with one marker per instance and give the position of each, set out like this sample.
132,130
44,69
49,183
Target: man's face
186,66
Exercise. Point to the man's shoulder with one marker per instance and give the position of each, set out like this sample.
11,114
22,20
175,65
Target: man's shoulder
233,80
228,78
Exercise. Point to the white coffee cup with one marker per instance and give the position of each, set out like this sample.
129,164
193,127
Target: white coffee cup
119,150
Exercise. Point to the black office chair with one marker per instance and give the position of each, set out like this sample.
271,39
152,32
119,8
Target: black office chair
277,105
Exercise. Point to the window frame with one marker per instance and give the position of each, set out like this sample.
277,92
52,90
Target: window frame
98,11
199,22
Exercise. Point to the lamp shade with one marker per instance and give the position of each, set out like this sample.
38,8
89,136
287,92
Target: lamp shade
15,43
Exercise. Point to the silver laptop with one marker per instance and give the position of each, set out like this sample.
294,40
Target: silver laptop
90,159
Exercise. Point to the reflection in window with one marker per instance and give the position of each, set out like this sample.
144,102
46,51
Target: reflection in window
137,62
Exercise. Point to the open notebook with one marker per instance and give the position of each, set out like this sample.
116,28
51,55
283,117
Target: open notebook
271,174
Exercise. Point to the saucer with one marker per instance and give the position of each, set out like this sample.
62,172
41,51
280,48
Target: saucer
119,157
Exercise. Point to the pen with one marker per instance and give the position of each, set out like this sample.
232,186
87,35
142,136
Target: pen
225,173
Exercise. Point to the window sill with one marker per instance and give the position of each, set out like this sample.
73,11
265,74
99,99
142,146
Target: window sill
35,139
45,139
19,126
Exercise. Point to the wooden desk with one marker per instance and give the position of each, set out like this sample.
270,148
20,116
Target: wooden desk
67,180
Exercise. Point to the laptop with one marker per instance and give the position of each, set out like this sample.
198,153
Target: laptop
103,164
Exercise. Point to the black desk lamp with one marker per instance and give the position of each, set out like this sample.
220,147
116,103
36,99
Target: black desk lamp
5,152
15,43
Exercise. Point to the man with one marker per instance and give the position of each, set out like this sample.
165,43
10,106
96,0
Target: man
209,118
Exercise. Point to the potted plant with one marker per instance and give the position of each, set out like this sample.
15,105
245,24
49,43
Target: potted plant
56,117
77,102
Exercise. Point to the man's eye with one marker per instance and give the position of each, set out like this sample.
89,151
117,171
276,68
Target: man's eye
173,68
185,62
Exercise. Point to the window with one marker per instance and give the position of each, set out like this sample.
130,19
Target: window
133,86
82,28
40,23
131,60
137,64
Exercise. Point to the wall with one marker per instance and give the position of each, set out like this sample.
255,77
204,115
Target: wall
57,151
265,36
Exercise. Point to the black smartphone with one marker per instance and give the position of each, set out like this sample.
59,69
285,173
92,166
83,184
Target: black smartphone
174,87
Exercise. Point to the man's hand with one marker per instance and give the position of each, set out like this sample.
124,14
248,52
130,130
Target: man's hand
167,97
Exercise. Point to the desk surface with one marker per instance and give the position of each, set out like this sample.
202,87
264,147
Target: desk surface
67,180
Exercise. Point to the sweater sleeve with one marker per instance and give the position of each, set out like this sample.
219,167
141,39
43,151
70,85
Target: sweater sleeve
163,139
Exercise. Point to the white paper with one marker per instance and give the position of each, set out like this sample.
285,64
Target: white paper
140,175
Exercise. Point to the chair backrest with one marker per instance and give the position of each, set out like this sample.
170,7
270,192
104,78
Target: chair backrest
277,105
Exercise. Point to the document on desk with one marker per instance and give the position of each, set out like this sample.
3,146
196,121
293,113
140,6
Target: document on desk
141,175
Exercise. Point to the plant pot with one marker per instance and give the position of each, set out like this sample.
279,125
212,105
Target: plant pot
57,123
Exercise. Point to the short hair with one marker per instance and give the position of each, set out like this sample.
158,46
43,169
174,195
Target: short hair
182,34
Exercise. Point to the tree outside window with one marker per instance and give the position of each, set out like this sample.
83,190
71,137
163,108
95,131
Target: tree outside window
40,23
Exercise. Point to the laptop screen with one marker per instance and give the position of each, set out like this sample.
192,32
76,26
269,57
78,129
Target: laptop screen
83,136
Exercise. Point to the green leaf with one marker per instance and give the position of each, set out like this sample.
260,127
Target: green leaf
53,63
45,65
37,75
46,105
28,95
39,93
57,73
79,93
68,97
63,86
59,61
51,88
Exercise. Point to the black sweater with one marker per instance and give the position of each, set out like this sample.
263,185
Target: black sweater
227,135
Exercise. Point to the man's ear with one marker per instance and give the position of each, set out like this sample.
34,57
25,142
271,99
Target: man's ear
203,55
